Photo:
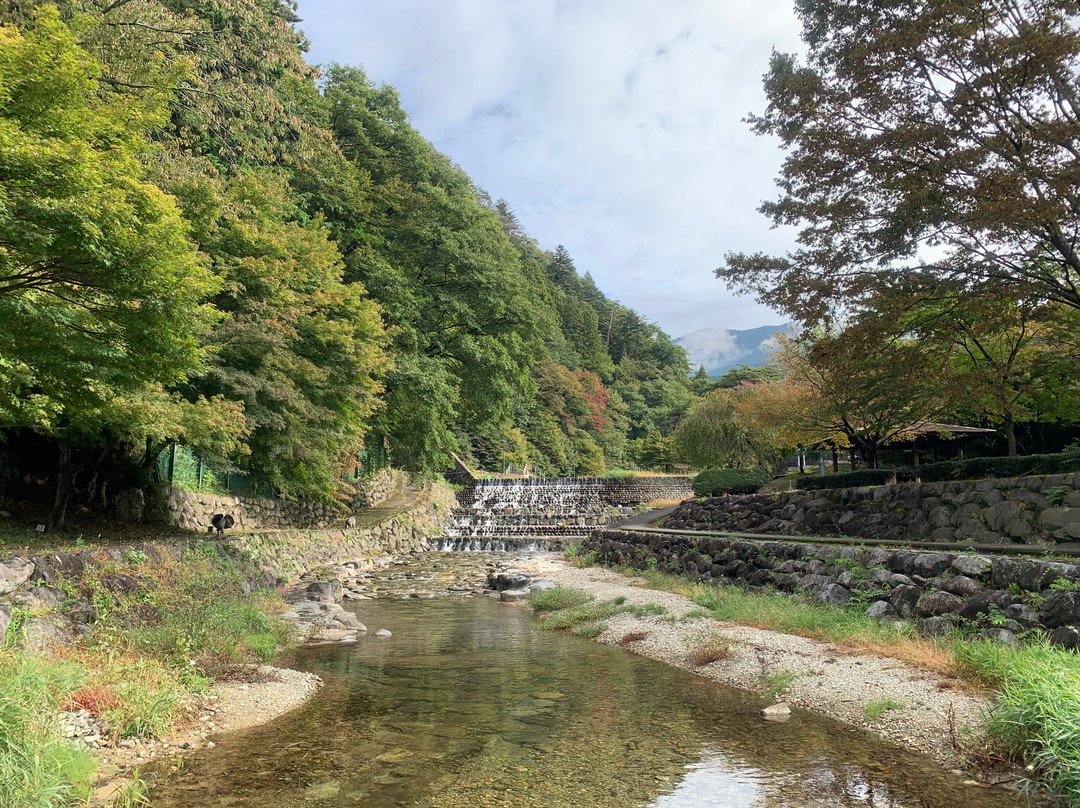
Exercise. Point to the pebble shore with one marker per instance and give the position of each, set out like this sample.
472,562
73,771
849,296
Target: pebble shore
932,713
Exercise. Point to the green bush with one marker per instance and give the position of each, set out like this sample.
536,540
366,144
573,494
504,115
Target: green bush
982,467
714,482
846,479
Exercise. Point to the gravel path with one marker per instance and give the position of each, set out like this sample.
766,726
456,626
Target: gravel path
823,678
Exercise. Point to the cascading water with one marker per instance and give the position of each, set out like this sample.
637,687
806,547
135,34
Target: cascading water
530,514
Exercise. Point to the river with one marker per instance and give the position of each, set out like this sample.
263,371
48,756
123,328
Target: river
469,704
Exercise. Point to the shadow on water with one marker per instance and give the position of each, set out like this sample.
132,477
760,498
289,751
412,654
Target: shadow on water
468,704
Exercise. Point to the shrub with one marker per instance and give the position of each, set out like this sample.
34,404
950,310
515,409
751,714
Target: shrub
846,479
714,482
982,467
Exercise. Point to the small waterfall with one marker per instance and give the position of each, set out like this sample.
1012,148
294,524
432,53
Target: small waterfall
507,545
529,514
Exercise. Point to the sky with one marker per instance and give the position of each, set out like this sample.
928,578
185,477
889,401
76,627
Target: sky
612,127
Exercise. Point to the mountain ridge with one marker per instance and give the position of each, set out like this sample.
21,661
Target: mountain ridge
721,349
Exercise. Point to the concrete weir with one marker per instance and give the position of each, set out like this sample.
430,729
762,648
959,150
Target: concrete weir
544,513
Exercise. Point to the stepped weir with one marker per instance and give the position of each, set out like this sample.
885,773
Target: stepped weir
545,513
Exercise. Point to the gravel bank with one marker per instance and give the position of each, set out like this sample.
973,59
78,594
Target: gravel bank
231,706
823,678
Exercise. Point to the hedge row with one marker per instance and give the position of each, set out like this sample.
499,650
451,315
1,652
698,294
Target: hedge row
980,468
846,479
714,482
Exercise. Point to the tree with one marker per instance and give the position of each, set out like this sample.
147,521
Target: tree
302,350
101,295
744,374
448,278
994,348
918,129
711,435
862,387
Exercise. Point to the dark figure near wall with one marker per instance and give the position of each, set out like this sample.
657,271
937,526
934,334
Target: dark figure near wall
220,522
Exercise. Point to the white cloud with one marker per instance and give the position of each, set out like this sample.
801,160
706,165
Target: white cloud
611,126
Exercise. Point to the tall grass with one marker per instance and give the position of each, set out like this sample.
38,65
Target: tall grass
38,767
1037,714
191,615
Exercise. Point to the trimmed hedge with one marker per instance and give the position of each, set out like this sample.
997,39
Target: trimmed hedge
846,479
713,482
980,468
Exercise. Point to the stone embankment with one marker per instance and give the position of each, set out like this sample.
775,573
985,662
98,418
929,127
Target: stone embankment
193,511
1005,595
1026,510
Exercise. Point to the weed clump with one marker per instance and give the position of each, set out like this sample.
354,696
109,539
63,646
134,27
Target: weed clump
556,598
707,650
875,709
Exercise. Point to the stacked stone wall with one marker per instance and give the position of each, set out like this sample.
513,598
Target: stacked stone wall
1003,595
1026,510
193,511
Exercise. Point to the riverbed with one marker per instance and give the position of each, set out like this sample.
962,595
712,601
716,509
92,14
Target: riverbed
469,704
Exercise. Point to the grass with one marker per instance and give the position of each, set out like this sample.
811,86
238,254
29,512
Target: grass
706,650
151,653
586,612
1037,714
556,598
189,615
38,767
776,611
589,629
875,709
562,608
775,684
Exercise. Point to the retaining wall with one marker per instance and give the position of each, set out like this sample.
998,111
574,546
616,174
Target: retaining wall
1026,510
1003,595
193,511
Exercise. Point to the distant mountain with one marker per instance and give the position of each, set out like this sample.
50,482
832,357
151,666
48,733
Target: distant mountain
721,349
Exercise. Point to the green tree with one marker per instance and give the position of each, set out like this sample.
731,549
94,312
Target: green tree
301,349
100,292
438,260
926,124
712,436
861,387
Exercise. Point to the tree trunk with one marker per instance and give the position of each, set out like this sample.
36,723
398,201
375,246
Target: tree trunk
1010,434
65,474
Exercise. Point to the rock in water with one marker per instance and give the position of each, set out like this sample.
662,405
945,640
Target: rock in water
382,632
777,712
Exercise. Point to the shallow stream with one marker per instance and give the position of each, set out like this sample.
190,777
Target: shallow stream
469,704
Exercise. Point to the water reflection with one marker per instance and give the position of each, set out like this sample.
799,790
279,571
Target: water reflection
469,705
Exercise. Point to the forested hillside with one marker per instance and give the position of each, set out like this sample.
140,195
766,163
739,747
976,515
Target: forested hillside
205,242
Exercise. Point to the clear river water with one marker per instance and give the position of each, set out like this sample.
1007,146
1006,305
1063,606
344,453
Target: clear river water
470,704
